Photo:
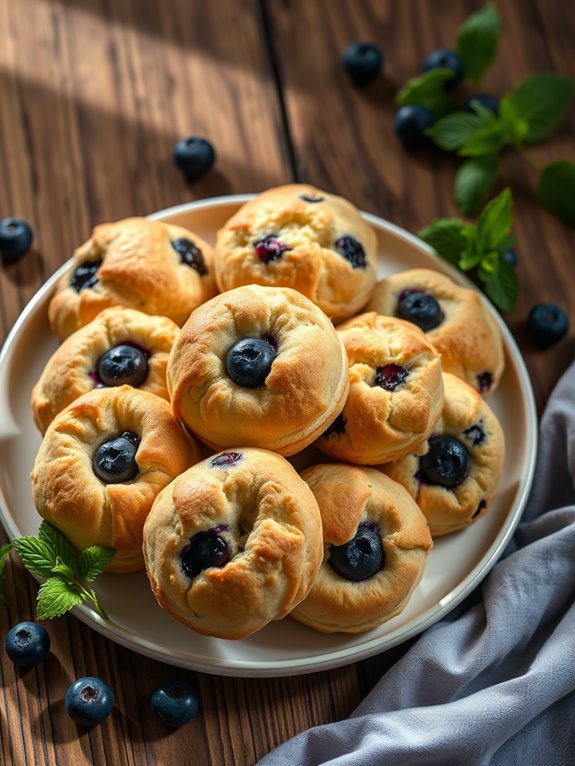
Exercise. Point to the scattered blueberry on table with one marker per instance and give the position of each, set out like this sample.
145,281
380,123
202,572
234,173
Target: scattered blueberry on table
89,701
445,59
27,644
547,324
411,122
362,61
194,156
15,238
175,702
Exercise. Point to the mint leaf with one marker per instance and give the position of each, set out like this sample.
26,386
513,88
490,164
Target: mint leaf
448,237
36,555
556,189
92,561
428,90
495,222
469,259
477,42
501,284
55,597
473,182
541,102
59,544
454,131
489,137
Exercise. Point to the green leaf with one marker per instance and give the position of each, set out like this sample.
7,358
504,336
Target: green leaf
428,90
92,561
501,284
469,260
59,544
541,102
454,131
448,237
473,182
488,138
55,597
477,42
36,555
556,189
495,222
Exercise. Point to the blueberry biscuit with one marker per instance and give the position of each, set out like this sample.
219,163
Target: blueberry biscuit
376,543
456,479
102,462
120,346
258,366
301,237
233,543
147,265
395,394
455,319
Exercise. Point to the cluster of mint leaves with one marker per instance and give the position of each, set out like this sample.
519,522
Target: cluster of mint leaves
65,573
527,115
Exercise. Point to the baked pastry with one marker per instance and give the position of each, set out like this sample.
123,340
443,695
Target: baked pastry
456,479
455,319
233,543
258,366
120,346
376,543
151,266
395,394
102,462
301,237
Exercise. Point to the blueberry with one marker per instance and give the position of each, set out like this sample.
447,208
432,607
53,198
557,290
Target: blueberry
421,308
269,248
352,251
510,256
547,323
390,376
15,238
27,644
194,156
205,549
115,460
312,200
363,62
446,462
85,275
89,701
249,361
445,59
123,364
175,702
484,381
225,459
411,122
483,99
190,255
359,558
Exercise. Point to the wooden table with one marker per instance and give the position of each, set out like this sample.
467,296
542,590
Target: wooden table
93,96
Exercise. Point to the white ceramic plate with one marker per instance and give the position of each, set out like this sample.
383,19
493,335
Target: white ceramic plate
456,565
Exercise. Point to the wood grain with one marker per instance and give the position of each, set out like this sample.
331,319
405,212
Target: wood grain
93,96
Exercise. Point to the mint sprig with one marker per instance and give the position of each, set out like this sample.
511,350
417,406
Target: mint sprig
4,551
480,247
65,572
478,40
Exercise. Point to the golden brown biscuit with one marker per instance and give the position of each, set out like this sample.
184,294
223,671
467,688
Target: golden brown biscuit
233,543
395,394
301,237
119,346
456,479
376,542
102,462
456,321
278,333
147,265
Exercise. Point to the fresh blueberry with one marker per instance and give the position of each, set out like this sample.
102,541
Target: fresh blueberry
190,255
205,549
484,381
15,238
445,59
115,460
352,251
27,644
411,122
359,558
269,249
547,323
510,257
390,376
249,361
123,364
175,702
85,275
225,459
483,99
363,62
194,156
89,701
421,308
446,462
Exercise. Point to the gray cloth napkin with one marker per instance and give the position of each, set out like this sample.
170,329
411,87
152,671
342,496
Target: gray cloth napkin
493,683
